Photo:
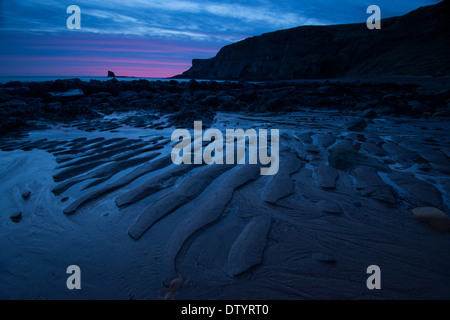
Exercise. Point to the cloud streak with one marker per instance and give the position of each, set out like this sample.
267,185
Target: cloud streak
170,18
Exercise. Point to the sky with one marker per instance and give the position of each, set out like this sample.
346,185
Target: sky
154,38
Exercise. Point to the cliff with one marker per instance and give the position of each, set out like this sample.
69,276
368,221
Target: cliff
415,44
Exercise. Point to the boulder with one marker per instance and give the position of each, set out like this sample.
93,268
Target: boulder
329,207
432,216
16,217
26,195
356,125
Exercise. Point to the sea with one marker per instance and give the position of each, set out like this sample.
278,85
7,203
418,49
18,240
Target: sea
4,79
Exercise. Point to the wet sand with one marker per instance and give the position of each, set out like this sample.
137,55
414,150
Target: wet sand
106,197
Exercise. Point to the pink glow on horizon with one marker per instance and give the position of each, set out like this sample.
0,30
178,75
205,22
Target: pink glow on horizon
91,59
99,71
83,54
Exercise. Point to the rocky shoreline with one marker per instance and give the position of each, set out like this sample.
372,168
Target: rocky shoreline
23,104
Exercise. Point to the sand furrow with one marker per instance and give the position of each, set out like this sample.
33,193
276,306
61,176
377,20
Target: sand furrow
247,250
208,212
136,173
189,189
153,185
281,184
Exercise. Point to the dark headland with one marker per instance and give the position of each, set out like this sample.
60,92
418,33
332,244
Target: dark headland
416,44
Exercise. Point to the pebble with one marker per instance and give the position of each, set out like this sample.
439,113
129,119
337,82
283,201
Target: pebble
356,203
26,195
323,257
16,217
356,125
329,207
433,216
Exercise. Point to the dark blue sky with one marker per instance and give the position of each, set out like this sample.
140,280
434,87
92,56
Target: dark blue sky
154,38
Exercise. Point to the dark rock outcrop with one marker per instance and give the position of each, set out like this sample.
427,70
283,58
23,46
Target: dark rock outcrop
414,44
16,217
111,74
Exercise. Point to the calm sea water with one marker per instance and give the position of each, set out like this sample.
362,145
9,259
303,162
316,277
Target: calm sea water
30,79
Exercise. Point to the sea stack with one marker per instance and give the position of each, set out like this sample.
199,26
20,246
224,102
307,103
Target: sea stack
111,74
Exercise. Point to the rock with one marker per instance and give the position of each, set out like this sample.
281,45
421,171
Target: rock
26,195
14,104
370,114
111,74
186,117
211,101
68,93
101,95
369,184
128,96
389,97
305,137
437,160
424,167
312,149
114,86
326,176
385,110
192,85
173,288
356,125
433,216
11,124
5,95
356,203
325,140
16,217
61,85
418,107
360,137
65,96
52,107
323,257
374,149
418,192
327,206
177,283
344,157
